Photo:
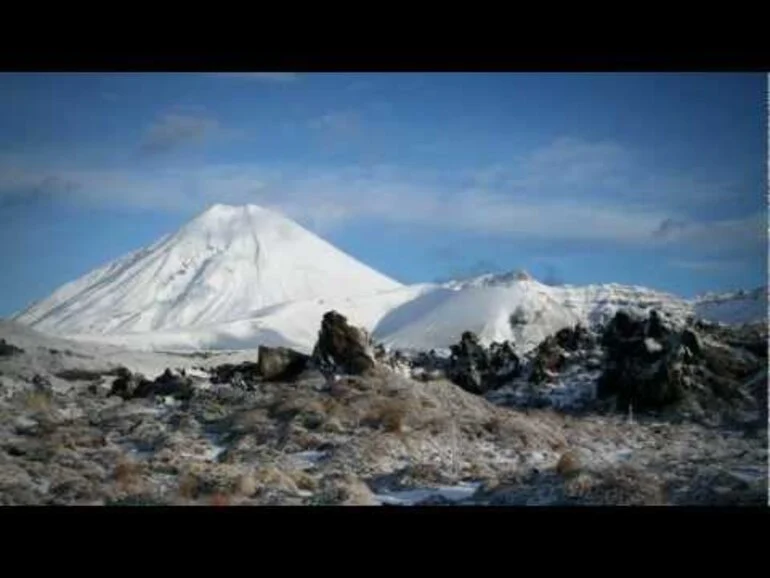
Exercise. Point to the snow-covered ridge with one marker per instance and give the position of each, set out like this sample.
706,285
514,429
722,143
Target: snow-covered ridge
227,264
239,277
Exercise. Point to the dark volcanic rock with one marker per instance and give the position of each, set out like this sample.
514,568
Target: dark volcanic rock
477,369
575,338
132,385
8,349
244,375
126,383
549,359
651,367
280,363
468,362
168,383
342,348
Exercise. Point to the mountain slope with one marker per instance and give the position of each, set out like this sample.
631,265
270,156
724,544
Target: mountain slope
223,266
737,307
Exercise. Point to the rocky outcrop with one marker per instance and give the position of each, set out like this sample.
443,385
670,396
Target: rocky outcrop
280,363
575,338
651,366
477,369
8,349
569,345
133,385
244,375
127,383
342,348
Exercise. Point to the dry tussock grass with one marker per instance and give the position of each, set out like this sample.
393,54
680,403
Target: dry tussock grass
128,474
37,401
568,465
387,414
622,485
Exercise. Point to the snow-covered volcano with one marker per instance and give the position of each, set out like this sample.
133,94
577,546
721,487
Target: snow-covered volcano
239,277
225,265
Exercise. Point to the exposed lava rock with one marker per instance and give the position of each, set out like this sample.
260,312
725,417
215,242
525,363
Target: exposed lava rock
244,375
575,338
8,349
477,369
651,367
127,383
280,363
342,348
132,385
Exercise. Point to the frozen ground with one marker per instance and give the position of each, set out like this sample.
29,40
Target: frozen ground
358,441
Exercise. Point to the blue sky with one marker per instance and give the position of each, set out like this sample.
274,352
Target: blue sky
647,179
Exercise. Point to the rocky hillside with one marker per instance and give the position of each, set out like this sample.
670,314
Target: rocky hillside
355,424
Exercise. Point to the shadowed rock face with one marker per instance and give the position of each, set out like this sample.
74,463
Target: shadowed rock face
477,369
134,385
276,363
8,349
342,348
651,366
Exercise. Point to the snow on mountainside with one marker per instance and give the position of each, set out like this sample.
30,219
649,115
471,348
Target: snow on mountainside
523,312
735,307
225,265
239,277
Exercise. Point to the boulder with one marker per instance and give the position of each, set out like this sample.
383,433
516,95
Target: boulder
8,349
575,338
652,367
169,383
244,375
134,385
277,363
342,348
126,383
479,370
549,359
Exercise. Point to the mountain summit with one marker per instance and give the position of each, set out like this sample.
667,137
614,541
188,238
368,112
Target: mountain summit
224,265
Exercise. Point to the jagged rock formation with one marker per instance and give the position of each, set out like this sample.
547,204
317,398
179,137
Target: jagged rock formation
134,385
8,349
651,366
342,348
478,369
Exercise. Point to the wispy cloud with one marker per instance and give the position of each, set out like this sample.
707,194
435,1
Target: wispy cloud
177,129
271,77
707,266
325,197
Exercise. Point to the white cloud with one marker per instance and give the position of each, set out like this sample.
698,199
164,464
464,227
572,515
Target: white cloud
540,206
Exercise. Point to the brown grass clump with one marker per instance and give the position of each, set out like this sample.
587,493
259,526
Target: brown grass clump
617,486
128,474
37,401
188,487
388,414
568,465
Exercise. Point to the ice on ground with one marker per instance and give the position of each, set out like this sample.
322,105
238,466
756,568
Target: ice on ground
456,494
308,459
